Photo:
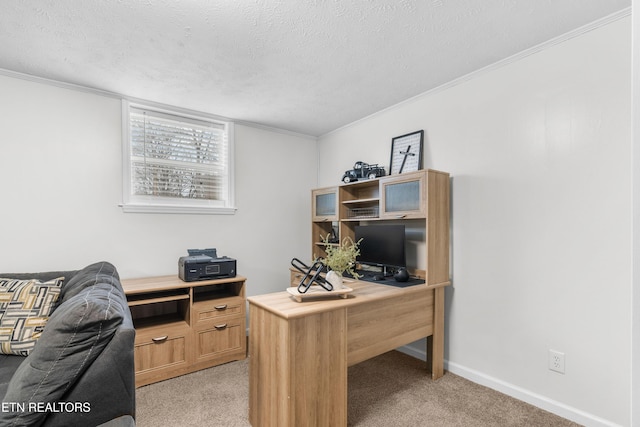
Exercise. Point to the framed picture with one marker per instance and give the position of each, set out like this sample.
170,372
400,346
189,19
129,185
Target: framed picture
406,153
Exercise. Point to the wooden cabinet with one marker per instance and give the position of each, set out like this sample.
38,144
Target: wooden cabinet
324,217
404,196
182,326
325,204
419,199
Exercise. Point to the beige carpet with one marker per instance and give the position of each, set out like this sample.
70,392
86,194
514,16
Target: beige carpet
389,390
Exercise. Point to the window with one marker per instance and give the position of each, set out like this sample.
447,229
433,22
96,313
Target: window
175,162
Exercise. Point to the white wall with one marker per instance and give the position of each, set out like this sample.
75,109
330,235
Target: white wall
60,169
635,301
539,152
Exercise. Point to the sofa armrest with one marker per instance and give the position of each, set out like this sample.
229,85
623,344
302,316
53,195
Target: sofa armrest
108,386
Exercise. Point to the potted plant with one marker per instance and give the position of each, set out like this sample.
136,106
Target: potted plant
340,258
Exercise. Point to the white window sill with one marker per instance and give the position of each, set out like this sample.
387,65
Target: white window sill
177,209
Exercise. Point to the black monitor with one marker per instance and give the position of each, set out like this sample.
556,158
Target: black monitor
381,245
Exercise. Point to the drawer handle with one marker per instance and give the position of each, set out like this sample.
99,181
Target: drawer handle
160,339
221,307
221,327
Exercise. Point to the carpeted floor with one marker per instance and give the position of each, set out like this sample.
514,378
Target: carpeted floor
390,390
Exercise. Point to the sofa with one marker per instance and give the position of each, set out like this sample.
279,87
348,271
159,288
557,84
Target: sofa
80,370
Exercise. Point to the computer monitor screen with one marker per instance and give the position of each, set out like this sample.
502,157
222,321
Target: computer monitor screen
381,245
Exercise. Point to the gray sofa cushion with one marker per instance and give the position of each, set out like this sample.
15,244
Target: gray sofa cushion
75,335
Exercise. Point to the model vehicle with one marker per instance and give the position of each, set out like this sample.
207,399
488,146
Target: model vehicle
363,170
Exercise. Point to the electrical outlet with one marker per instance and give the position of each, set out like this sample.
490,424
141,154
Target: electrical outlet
556,361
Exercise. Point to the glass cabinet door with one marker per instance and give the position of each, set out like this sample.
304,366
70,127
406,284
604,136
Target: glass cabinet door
403,196
325,204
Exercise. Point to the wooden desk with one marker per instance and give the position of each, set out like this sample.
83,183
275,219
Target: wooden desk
299,352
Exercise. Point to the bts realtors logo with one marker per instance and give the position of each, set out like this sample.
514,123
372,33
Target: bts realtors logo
16,407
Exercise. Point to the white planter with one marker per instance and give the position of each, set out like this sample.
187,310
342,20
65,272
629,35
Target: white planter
335,279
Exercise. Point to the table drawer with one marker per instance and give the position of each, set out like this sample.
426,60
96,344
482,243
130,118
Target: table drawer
223,337
218,309
160,349
296,277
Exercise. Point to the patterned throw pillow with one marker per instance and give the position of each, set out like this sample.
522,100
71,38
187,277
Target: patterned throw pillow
25,306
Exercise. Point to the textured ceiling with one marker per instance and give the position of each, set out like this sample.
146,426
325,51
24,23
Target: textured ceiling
304,66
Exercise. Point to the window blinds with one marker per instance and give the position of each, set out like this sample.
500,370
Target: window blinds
177,157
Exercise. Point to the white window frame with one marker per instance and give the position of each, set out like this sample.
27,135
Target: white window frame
156,204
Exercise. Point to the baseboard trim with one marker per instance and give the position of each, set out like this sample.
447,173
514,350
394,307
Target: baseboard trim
516,392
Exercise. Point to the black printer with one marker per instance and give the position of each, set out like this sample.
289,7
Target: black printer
204,264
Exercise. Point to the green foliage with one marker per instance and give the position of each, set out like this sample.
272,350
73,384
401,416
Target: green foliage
341,257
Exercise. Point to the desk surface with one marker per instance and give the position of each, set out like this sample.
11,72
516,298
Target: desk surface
283,305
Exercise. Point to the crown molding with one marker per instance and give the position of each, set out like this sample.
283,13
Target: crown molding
120,96
518,56
496,65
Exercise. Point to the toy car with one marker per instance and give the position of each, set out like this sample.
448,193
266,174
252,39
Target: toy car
363,170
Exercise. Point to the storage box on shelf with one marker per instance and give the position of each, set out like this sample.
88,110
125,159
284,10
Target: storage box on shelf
182,326
360,199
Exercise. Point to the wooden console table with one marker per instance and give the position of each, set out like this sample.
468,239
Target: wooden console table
182,327
299,352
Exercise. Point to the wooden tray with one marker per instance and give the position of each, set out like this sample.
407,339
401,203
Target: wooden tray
316,292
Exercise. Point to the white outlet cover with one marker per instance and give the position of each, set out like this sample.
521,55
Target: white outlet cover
556,361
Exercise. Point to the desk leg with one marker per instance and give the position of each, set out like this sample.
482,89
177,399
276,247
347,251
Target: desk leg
297,369
435,343
268,376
